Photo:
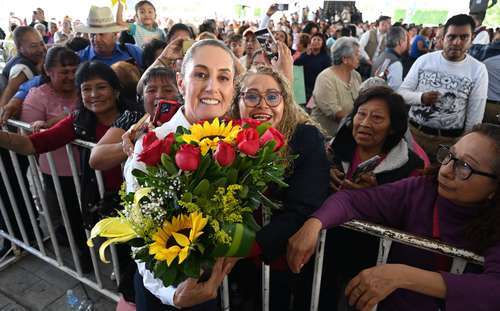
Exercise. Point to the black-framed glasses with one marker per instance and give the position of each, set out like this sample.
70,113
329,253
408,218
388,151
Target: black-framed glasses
461,168
252,98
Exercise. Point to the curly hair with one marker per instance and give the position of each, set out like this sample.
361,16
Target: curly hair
293,115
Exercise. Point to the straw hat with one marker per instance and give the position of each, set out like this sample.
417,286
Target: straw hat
100,20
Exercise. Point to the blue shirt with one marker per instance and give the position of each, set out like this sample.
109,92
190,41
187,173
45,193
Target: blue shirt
132,51
24,88
414,51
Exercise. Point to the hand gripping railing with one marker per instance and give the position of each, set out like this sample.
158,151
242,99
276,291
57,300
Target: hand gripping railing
44,209
387,235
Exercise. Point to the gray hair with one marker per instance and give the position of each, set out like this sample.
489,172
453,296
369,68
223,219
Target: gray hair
394,36
371,82
199,44
343,47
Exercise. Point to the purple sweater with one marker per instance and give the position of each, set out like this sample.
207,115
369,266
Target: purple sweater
408,205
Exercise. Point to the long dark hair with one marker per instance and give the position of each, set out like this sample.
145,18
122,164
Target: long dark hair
483,231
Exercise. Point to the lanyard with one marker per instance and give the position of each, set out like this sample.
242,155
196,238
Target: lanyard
442,262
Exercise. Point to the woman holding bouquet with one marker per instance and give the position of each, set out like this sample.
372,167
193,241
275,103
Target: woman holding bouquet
206,82
265,95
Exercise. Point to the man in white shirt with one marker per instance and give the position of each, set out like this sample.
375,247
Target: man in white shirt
446,90
481,35
397,45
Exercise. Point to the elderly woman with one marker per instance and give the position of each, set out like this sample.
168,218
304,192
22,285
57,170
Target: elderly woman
265,95
337,86
376,127
459,205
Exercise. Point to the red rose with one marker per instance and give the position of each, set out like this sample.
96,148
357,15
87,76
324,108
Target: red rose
148,139
187,157
151,154
248,141
272,134
167,143
224,154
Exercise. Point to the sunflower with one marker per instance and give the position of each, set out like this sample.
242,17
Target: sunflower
208,135
176,238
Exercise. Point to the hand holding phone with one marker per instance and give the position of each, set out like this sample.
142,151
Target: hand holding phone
365,167
186,44
283,7
165,110
267,42
381,70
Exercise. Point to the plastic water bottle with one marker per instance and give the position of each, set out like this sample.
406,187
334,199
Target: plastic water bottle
72,299
77,304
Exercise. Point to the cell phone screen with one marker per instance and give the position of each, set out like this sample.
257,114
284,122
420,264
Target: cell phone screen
365,167
283,7
165,110
267,42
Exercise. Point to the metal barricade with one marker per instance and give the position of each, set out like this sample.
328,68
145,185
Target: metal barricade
387,236
55,255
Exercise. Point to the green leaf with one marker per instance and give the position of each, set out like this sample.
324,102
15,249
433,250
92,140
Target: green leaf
232,176
250,222
202,188
263,128
244,192
168,164
165,273
267,202
138,173
221,182
276,180
187,197
191,267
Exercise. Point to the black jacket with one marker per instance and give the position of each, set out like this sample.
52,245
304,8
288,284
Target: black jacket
400,163
308,188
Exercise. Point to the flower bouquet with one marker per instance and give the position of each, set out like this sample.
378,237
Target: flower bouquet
196,198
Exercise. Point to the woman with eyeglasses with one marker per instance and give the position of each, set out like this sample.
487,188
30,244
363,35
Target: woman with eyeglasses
457,204
265,95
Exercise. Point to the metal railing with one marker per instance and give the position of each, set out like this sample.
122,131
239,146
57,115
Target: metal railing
40,251
387,235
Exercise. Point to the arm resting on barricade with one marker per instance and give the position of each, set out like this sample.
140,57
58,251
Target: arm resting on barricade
373,285
475,291
108,152
17,143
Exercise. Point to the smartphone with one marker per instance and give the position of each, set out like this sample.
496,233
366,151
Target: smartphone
383,68
267,42
365,167
186,44
165,110
283,7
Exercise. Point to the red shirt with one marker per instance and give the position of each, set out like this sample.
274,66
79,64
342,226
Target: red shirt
63,133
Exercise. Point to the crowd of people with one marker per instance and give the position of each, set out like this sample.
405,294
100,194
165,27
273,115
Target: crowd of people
421,104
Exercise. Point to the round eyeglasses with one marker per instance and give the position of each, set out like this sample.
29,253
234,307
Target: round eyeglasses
252,99
461,168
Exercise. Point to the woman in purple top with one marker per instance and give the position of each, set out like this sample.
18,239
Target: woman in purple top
460,206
